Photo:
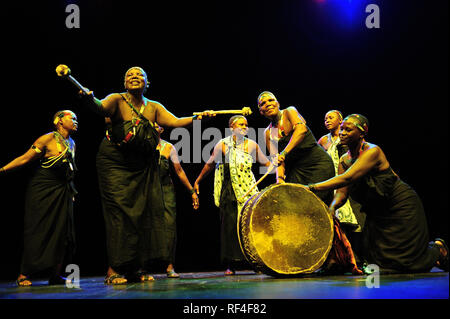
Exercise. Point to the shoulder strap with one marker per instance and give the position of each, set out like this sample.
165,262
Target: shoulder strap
132,106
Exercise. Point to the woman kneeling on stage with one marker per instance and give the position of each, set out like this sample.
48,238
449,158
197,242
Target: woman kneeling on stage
395,236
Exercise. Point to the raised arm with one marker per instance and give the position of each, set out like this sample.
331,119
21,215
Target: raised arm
106,107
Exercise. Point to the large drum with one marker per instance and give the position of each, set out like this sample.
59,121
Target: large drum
285,230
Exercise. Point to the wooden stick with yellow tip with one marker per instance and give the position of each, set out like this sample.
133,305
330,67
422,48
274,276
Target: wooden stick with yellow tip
64,72
269,170
245,111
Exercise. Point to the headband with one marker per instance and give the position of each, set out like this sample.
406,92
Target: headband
234,118
360,122
337,112
59,115
266,93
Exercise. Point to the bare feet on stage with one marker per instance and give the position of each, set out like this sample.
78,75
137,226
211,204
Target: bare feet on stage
23,281
171,272
229,272
142,276
113,278
146,277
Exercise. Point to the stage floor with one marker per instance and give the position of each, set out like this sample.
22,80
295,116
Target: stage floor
244,285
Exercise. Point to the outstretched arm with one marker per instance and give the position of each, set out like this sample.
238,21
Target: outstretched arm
35,152
367,161
166,118
106,107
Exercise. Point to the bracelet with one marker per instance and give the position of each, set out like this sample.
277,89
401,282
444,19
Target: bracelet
192,191
284,153
194,117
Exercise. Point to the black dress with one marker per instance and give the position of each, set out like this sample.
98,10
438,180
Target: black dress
395,236
169,227
131,195
49,235
230,249
308,163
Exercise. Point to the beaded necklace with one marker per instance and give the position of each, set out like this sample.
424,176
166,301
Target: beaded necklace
60,140
134,112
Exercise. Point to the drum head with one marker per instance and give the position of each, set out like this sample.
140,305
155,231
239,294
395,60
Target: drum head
285,229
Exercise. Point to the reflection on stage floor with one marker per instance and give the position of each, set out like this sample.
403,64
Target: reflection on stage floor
244,285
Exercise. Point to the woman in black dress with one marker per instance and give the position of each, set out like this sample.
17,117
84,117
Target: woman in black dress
49,237
128,176
396,234
232,158
301,160
170,165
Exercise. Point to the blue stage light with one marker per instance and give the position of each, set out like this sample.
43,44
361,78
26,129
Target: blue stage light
344,13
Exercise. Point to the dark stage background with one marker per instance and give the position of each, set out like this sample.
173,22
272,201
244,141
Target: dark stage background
315,55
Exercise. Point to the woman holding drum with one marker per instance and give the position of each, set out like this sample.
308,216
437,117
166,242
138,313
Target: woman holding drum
396,234
288,136
315,235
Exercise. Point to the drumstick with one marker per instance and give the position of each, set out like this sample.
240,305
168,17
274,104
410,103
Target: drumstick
245,111
269,170
64,72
